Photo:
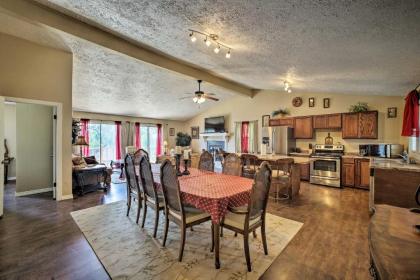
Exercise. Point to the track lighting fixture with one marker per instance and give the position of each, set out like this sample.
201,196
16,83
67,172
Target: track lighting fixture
192,37
208,40
287,87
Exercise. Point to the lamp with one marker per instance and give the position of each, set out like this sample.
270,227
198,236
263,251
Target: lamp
210,39
80,141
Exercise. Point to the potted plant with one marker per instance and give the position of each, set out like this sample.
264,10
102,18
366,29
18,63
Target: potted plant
183,141
282,112
359,107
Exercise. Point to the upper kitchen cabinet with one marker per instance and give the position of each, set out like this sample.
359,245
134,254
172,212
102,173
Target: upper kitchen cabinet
360,125
303,127
327,121
282,122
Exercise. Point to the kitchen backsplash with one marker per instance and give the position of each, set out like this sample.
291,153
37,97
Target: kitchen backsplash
350,145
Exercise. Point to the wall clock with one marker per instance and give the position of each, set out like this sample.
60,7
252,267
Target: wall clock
297,101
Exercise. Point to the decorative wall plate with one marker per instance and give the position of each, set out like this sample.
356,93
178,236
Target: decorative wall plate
297,101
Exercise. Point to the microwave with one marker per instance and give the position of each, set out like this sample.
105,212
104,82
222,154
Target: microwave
381,150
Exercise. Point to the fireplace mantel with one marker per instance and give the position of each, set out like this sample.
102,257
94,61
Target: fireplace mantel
221,136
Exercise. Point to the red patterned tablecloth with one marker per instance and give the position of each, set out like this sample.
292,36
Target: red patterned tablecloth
211,192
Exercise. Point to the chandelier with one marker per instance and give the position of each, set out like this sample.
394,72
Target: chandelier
210,39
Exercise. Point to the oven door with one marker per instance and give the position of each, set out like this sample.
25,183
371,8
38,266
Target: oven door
325,167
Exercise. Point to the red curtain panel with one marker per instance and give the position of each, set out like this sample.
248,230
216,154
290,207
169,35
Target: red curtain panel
84,125
118,140
244,137
159,140
137,141
411,115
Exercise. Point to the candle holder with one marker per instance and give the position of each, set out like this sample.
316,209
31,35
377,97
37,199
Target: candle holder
186,172
177,164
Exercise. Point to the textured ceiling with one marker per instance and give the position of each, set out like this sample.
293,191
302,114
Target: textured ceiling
361,47
105,81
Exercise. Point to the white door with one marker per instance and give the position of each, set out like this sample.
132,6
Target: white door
1,154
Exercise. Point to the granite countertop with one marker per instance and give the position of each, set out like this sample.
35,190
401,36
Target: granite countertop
271,157
393,164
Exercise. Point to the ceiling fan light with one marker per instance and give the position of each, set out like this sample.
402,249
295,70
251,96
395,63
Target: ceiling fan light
195,99
201,100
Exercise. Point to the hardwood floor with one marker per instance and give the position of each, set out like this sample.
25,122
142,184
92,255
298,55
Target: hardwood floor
39,240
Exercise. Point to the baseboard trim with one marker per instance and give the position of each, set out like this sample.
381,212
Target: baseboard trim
69,196
34,192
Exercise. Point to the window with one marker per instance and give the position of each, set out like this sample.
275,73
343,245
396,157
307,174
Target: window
102,141
149,140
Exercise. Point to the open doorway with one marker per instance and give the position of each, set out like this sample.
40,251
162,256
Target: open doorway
29,158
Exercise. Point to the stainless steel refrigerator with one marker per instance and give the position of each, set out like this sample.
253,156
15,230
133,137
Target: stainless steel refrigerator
280,139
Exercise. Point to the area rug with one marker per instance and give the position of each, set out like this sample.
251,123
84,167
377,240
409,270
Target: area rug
129,252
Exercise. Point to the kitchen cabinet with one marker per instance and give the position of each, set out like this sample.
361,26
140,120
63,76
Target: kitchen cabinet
282,122
304,171
362,125
303,128
368,125
327,121
355,172
362,173
334,121
347,172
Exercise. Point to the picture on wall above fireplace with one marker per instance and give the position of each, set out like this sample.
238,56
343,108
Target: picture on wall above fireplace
195,132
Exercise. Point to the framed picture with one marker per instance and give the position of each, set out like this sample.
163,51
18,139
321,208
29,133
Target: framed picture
195,132
266,121
172,131
326,103
392,112
311,101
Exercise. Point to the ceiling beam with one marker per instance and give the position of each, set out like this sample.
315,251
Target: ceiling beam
39,13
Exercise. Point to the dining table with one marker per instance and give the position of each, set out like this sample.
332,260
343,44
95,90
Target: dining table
212,193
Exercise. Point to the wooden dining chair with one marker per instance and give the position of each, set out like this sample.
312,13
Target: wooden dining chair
152,198
206,161
244,220
133,188
249,165
282,178
232,165
175,210
138,154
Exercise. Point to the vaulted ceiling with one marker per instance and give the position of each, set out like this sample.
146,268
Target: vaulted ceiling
359,46
343,47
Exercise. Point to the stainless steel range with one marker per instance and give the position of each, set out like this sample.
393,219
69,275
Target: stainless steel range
326,165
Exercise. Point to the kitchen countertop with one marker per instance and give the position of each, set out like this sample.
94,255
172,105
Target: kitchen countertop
271,157
395,164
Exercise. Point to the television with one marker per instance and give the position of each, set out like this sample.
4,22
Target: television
214,125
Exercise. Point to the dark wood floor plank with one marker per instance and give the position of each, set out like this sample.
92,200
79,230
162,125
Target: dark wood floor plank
39,239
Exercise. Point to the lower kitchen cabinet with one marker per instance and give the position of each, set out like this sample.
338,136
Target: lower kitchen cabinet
304,171
355,172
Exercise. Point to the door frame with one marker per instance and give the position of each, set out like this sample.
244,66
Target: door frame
58,137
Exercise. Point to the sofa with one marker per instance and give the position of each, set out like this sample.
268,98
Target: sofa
91,178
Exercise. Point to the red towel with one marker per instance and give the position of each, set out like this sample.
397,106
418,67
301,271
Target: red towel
411,115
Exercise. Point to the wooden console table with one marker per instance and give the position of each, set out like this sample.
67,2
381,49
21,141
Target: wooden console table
394,243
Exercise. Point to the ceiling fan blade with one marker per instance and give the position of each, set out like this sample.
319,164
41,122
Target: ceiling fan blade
189,97
210,93
211,98
189,93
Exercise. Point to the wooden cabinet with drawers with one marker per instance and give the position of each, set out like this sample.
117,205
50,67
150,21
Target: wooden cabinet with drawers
282,122
360,125
355,172
303,128
304,171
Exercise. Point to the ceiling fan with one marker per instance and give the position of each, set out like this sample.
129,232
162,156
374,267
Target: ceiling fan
201,96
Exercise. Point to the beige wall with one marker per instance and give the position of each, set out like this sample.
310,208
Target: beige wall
10,135
34,139
247,109
31,71
179,126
